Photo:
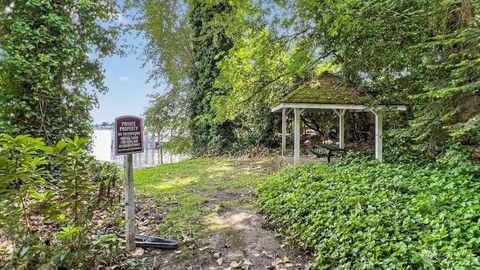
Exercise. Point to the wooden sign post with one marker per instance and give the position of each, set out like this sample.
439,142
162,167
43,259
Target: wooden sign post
129,140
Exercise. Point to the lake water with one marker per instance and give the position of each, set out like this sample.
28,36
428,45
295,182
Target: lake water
103,150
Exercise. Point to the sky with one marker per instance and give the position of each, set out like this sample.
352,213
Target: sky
127,81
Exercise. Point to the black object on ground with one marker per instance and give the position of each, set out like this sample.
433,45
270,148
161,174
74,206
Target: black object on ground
154,242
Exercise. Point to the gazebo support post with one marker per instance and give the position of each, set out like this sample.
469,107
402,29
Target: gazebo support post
296,136
284,131
341,127
378,134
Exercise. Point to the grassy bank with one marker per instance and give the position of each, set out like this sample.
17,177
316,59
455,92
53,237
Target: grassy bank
380,216
187,190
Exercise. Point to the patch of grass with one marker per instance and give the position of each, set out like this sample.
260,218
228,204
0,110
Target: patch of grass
187,190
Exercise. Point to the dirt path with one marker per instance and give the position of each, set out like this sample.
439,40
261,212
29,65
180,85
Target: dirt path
222,229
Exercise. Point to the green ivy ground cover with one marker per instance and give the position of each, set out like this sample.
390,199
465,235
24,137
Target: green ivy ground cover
379,216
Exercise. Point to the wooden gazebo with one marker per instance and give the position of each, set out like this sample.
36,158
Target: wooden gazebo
328,92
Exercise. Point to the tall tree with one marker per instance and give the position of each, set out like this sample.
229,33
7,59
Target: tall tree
184,46
272,54
50,62
169,50
167,119
210,43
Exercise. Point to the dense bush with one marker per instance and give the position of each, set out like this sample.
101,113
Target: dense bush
380,216
50,65
56,224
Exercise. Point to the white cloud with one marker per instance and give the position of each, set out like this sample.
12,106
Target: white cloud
120,18
123,78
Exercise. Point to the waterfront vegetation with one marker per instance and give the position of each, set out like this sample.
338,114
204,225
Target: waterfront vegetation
224,64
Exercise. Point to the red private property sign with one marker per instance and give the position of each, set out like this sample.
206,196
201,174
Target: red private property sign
128,135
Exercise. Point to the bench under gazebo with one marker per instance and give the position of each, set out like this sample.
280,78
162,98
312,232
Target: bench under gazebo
328,93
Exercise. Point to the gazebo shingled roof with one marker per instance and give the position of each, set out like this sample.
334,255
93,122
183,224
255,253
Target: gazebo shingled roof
326,89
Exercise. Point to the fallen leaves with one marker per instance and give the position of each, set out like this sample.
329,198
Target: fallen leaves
282,264
138,252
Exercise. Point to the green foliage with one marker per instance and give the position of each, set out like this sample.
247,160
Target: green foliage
186,42
209,44
427,57
169,41
399,147
380,216
169,48
166,117
97,250
56,224
263,65
423,52
77,185
49,52
21,171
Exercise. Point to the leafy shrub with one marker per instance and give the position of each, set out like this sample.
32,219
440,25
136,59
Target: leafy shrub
380,216
21,172
399,146
56,224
